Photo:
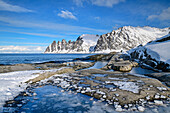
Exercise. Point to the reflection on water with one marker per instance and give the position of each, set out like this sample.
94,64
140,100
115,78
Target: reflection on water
139,70
98,65
52,99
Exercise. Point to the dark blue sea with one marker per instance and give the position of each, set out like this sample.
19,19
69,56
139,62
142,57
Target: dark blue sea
7,59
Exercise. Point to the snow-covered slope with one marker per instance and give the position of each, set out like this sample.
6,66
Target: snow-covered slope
154,53
12,83
124,38
84,44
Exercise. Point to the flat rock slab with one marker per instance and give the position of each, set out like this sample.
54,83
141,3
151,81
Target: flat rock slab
112,87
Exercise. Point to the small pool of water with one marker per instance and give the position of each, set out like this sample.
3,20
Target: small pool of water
51,99
98,65
139,70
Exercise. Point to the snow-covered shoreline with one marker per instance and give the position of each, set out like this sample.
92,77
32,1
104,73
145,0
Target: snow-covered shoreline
12,83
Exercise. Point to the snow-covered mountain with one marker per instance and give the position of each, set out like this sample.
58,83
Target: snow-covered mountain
84,44
124,38
128,37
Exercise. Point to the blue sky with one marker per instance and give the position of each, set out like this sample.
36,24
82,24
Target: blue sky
31,25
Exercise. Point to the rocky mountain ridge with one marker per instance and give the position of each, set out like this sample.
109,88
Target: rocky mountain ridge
124,38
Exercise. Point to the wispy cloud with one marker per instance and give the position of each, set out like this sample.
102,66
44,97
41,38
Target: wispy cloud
21,49
34,34
13,8
67,14
104,3
19,43
97,18
164,15
79,2
49,26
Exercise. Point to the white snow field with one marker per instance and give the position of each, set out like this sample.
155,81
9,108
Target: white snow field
159,51
12,83
162,49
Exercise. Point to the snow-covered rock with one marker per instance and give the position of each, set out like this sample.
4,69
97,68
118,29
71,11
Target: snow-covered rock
124,38
156,53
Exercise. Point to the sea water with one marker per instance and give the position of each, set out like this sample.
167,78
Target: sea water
6,59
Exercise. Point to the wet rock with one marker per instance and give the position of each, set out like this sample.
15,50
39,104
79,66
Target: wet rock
124,66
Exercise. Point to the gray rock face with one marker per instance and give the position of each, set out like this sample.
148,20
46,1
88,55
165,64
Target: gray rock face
84,43
128,37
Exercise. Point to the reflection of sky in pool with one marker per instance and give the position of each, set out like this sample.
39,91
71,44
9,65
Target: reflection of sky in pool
98,65
139,70
50,99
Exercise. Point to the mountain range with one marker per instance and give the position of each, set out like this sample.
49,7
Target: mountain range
124,38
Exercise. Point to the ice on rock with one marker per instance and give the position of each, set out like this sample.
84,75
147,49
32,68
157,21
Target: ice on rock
118,108
156,96
141,108
162,88
158,102
128,86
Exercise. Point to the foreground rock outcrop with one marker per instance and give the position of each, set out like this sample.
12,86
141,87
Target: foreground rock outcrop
154,54
123,91
120,62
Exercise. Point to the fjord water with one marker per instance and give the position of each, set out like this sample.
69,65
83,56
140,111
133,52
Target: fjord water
6,59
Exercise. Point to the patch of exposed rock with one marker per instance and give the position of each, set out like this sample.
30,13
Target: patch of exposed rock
120,62
24,67
97,57
80,65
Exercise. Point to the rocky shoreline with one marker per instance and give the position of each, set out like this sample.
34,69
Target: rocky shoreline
111,83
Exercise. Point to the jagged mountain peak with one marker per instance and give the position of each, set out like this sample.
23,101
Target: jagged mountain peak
124,38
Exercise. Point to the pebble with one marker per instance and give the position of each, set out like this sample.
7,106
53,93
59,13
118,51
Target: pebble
118,108
148,97
91,99
19,105
158,102
117,94
34,94
62,90
162,88
125,106
94,102
83,92
130,105
162,96
141,109
104,96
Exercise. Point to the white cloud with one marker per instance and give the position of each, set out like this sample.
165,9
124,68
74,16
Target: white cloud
13,8
106,3
22,49
67,14
164,15
13,48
